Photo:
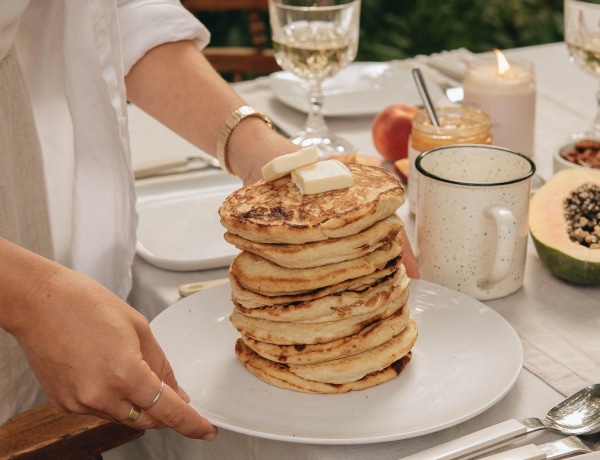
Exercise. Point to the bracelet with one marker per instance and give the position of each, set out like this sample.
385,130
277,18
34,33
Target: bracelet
230,124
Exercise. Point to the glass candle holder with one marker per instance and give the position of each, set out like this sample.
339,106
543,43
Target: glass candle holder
507,93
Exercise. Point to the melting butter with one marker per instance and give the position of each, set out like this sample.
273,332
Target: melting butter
323,176
285,164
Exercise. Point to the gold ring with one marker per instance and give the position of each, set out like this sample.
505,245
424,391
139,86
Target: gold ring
133,415
157,397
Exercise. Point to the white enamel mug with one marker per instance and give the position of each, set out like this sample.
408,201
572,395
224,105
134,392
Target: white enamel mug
472,218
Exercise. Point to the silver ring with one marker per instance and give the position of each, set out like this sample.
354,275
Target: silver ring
133,415
157,397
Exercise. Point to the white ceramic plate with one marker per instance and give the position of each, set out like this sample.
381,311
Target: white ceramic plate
362,88
467,357
179,226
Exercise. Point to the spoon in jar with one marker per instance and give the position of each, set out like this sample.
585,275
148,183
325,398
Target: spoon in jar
422,87
577,415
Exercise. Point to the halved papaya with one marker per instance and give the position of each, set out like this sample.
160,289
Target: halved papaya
564,222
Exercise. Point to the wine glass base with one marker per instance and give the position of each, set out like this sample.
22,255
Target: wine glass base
327,144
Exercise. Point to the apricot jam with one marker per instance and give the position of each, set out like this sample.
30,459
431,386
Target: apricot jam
458,125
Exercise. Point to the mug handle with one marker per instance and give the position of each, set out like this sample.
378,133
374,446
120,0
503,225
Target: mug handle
506,228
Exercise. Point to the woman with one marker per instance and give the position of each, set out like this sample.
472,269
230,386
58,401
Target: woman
67,202
67,71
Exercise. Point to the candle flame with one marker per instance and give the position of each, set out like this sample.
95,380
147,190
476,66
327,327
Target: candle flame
503,65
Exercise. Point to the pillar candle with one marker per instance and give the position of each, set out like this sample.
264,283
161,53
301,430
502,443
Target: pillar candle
505,90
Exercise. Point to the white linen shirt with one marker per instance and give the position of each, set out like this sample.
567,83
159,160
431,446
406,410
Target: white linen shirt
10,13
74,55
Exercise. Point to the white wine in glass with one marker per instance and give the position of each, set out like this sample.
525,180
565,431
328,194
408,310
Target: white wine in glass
582,36
314,39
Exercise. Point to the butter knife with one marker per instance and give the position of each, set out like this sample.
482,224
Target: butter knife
477,443
551,450
175,165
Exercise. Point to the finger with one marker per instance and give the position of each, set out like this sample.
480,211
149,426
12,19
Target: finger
156,359
171,408
174,412
167,408
159,364
183,394
146,389
140,419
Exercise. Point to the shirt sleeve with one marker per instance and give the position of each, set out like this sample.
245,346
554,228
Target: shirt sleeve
145,24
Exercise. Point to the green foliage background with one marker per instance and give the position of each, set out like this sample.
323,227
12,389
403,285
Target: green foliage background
396,29
399,29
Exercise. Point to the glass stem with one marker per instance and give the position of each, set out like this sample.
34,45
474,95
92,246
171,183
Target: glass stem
315,123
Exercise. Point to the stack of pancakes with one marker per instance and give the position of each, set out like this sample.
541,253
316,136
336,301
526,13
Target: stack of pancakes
319,289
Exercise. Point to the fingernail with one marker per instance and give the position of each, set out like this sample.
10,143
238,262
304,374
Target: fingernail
210,436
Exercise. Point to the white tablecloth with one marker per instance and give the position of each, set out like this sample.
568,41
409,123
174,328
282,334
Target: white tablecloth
558,323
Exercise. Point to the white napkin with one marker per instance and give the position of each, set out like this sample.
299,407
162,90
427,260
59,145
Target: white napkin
450,64
445,69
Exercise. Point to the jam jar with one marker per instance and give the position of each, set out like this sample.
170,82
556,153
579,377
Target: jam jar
458,125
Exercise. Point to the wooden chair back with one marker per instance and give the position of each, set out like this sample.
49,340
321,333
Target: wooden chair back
45,433
240,61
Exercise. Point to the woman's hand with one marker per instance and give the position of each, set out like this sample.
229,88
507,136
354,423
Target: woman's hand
92,352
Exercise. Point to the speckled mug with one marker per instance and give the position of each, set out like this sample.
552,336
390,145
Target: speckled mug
472,218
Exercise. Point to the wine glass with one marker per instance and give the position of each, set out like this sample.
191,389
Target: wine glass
314,39
582,35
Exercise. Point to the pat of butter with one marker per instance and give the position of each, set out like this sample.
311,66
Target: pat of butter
322,177
285,164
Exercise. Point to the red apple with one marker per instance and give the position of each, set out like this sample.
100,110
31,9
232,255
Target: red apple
391,129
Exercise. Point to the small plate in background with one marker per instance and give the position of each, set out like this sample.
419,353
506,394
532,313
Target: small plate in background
179,227
361,88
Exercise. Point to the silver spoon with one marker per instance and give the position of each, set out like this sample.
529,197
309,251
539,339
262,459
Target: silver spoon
578,414
448,83
422,87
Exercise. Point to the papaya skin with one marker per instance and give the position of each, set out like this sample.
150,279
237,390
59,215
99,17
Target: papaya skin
566,267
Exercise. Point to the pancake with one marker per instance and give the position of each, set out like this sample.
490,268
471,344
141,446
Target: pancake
330,251
351,368
327,308
279,375
311,333
369,337
261,275
319,289
276,211
251,299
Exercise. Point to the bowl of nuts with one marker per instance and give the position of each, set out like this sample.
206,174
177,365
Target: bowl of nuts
583,153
